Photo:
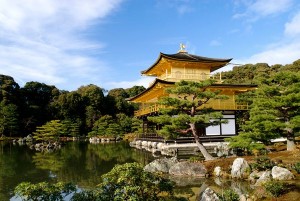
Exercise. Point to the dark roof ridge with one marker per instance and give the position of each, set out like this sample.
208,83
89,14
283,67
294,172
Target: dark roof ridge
184,55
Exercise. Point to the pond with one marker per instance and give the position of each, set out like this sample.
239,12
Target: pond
83,163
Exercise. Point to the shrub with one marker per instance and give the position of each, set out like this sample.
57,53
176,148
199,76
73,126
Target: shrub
124,182
44,191
229,195
262,163
297,167
194,159
275,188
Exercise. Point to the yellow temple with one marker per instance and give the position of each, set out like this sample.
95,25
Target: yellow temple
171,68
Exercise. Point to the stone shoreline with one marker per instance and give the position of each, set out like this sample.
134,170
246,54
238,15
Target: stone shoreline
240,170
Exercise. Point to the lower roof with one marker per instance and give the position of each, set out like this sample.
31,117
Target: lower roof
158,83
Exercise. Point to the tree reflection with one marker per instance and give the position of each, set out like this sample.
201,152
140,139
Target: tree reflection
48,161
78,162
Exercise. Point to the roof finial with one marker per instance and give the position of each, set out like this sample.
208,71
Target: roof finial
182,48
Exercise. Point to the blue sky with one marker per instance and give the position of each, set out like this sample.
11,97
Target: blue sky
70,43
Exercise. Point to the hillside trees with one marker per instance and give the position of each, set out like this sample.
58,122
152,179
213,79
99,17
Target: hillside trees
182,113
36,99
24,109
9,111
275,111
9,120
93,99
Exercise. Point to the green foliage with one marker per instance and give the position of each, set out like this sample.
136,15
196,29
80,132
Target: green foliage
120,105
9,90
135,90
275,188
274,111
71,128
105,126
36,104
44,191
51,131
297,167
131,182
124,182
195,159
229,195
9,119
262,163
245,142
93,99
91,195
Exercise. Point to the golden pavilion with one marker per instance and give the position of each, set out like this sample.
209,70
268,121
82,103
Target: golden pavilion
171,68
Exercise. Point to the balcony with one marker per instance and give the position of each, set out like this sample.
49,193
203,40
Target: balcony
177,76
217,105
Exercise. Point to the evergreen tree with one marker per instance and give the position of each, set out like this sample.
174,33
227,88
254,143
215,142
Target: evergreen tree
183,113
106,126
9,119
51,131
275,111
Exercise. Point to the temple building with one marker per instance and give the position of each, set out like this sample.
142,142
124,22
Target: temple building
171,68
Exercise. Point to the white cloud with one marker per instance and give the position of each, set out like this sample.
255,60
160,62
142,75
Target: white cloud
143,81
40,40
292,28
262,8
281,54
284,51
269,7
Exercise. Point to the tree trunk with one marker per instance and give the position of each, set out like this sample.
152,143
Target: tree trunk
202,149
290,143
290,139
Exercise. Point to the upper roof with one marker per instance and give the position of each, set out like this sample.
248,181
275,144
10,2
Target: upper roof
212,63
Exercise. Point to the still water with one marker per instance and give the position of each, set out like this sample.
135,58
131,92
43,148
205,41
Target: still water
81,163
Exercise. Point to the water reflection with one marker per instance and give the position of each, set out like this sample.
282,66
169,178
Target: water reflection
192,188
83,164
78,162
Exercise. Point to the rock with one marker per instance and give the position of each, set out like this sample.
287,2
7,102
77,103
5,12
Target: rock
161,165
184,181
29,138
254,176
154,145
279,173
155,152
239,167
188,168
160,145
217,171
144,143
218,181
265,176
222,149
209,195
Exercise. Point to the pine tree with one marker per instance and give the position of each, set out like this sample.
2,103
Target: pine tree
51,131
275,111
182,113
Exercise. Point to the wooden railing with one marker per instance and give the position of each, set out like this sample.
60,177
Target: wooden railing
189,76
217,106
